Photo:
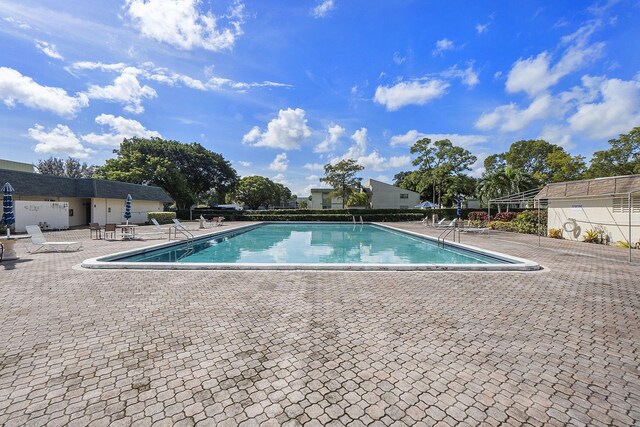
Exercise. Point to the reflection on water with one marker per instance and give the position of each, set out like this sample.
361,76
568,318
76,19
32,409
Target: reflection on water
316,243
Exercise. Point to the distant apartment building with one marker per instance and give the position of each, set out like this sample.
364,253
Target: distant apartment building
380,195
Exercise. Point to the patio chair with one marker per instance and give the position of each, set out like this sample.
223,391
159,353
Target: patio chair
110,228
158,231
207,224
441,224
219,220
41,245
94,228
179,225
478,230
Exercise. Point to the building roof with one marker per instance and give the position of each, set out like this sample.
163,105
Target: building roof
371,182
35,184
591,187
321,190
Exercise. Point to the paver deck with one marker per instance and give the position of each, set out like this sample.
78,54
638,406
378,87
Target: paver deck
101,347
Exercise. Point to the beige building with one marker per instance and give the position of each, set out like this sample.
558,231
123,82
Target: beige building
86,200
387,196
611,204
381,196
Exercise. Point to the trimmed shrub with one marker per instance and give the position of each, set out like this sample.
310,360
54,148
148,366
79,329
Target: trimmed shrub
555,233
479,216
502,226
506,216
527,222
161,217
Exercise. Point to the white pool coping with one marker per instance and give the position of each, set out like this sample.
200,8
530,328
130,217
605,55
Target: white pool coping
513,263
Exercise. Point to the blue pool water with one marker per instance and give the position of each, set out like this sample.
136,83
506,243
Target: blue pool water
314,243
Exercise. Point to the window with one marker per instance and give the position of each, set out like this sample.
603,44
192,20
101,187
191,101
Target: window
404,195
621,204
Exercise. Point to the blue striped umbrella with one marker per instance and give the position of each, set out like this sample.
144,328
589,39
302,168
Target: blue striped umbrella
127,208
7,207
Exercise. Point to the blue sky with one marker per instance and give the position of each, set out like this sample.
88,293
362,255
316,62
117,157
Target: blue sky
282,87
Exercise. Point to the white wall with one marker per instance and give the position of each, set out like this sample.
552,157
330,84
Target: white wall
106,211
55,214
385,196
591,213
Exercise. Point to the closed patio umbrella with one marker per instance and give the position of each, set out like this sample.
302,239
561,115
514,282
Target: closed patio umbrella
127,208
7,208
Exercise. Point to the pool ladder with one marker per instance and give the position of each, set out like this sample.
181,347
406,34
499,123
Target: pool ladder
354,219
447,231
187,234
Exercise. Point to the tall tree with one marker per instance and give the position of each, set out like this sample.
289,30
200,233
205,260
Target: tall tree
623,158
256,191
342,177
501,183
188,172
439,161
70,168
564,167
424,160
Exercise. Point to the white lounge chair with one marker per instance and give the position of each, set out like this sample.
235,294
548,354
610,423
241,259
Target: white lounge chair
158,231
428,223
41,245
177,224
157,226
478,230
443,225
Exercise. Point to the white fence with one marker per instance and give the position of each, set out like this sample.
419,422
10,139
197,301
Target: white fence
48,215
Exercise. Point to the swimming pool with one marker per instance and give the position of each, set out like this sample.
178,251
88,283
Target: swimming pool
314,245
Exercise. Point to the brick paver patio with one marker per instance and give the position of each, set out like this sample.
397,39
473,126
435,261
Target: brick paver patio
95,347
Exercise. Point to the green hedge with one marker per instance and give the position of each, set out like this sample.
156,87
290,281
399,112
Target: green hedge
322,214
389,217
161,217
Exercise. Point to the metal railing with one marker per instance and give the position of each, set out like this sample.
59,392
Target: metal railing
452,228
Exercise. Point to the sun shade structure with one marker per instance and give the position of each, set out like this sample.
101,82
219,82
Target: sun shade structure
7,207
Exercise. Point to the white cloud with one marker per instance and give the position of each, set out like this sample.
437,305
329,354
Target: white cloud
181,24
442,46
48,49
312,178
119,129
482,28
323,8
558,135
536,74
372,161
314,166
384,178
125,89
165,76
510,118
244,164
60,140
617,111
334,133
280,179
285,132
468,76
398,59
409,138
280,163
16,88
407,93
360,147
17,24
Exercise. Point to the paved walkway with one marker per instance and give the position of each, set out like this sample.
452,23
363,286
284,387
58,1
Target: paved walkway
95,347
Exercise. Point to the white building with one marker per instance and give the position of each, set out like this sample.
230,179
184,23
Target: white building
61,202
381,196
611,204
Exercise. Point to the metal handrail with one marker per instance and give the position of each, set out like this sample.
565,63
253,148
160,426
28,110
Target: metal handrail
448,231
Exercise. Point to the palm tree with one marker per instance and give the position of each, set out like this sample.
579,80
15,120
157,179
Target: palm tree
506,181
